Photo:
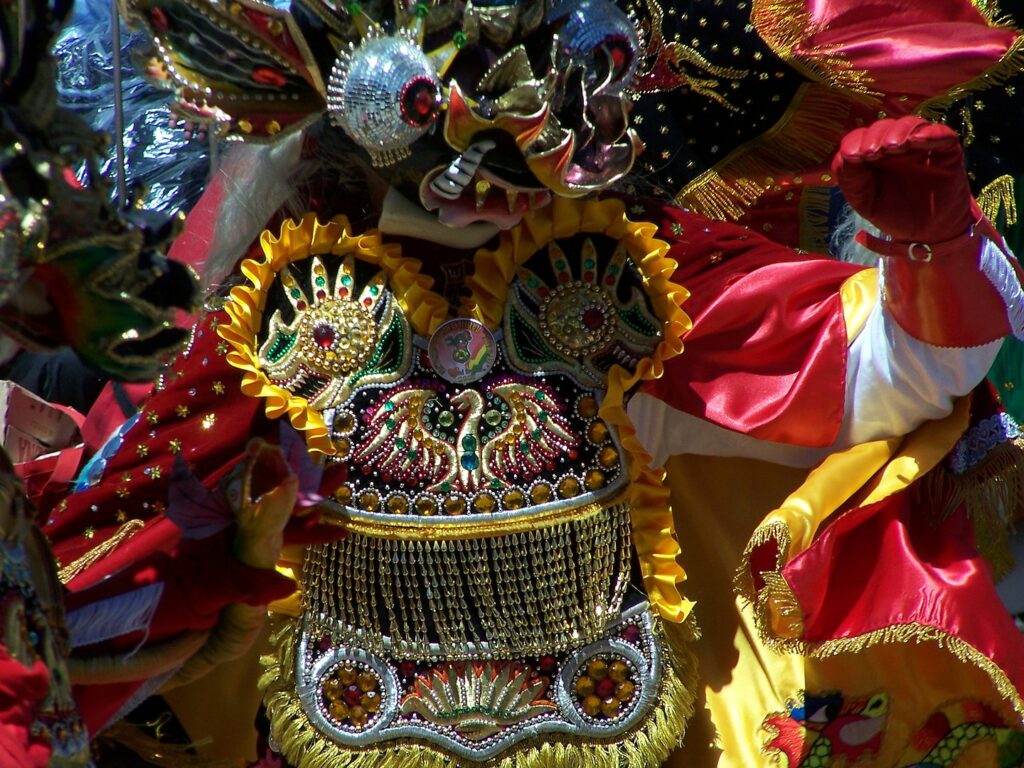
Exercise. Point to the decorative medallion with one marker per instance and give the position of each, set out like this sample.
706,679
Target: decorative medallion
462,350
581,315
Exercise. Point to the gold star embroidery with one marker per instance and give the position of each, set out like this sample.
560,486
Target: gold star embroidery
63,505
209,420
716,257
222,348
174,446
182,411
638,210
677,228
159,508
89,532
122,492
152,418
155,473
218,388
142,450
126,477
214,322
121,516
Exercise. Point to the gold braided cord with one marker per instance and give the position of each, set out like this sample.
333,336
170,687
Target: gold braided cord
999,195
298,240
650,744
787,26
125,532
800,139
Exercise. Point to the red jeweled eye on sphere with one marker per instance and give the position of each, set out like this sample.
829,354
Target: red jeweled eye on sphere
420,102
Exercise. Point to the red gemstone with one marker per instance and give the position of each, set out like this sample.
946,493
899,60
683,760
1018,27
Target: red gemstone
588,276
325,644
343,292
353,695
300,305
324,336
605,688
407,668
547,664
593,318
573,454
268,76
631,633
321,294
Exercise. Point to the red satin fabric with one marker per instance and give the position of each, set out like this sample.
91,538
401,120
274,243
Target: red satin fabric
911,49
893,563
767,352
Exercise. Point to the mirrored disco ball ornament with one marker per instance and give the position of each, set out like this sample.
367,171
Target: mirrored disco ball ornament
385,94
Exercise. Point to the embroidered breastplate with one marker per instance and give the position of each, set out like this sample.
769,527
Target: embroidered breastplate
481,603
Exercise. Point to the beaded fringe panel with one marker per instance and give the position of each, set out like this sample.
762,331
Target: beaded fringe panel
532,592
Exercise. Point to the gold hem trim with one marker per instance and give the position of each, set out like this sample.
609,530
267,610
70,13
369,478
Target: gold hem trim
649,744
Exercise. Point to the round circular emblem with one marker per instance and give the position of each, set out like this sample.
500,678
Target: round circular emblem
462,350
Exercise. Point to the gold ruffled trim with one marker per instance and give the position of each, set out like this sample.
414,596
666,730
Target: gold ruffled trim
651,513
298,240
785,24
802,138
650,744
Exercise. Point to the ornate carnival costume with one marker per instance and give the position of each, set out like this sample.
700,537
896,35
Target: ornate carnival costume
507,589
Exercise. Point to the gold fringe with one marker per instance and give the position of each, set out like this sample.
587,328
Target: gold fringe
785,24
919,633
814,208
662,732
1000,194
804,136
778,616
1008,66
125,532
993,493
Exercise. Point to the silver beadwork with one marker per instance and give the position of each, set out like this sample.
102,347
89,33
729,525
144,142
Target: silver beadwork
385,94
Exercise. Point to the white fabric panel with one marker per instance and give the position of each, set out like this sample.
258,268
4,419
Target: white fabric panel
894,383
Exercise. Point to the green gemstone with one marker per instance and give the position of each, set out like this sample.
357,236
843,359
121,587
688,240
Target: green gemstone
320,282
346,280
536,434
389,406
460,39
542,416
492,417
588,263
446,419
390,423
296,293
354,8
524,446
400,443
541,395
445,487
495,484
422,10
374,290
613,269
